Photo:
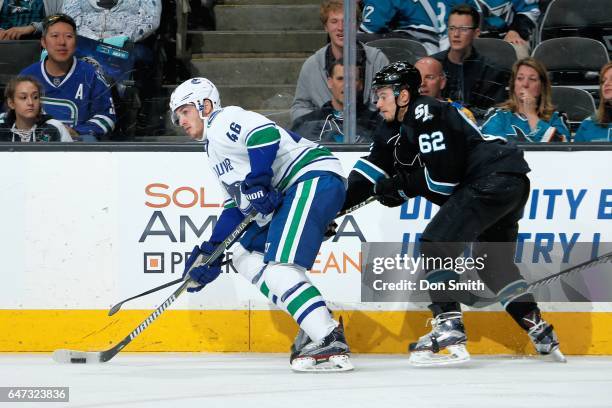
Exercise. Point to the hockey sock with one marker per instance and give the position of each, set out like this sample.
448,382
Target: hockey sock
443,307
288,288
521,307
249,264
291,290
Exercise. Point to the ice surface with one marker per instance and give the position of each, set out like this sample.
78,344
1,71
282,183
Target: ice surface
265,380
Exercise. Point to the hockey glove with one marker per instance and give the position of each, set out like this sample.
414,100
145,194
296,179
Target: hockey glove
332,229
262,196
203,274
387,192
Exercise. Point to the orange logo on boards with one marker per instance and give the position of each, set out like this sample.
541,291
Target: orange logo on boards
161,195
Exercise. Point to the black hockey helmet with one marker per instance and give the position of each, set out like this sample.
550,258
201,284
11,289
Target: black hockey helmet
398,75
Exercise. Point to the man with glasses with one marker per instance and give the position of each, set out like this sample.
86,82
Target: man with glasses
471,78
75,92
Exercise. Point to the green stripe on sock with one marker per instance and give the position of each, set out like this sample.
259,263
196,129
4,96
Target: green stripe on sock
302,298
295,221
264,289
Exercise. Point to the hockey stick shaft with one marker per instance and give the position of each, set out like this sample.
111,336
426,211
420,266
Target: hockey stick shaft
480,301
103,356
355,207
116,307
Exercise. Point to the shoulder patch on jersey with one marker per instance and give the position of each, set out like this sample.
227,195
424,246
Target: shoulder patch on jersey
422,112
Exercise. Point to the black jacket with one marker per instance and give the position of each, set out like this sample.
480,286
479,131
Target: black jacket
477,83
44,131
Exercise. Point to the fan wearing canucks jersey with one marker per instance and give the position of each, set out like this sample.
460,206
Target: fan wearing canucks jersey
295,186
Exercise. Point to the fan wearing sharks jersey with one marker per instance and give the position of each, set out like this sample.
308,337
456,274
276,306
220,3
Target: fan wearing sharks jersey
421,20
481,186
510,20
296,187
528,115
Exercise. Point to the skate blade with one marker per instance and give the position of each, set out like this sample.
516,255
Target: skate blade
333,364
557,356
456,355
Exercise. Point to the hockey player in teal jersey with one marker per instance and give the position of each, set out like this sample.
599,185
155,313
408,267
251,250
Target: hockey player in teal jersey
296,187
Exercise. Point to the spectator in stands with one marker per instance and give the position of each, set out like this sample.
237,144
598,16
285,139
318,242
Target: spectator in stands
423,21
528,115
312,90
471,78
75,93
134,22
24,120
325,123
433,81
511,20
599,127
23,18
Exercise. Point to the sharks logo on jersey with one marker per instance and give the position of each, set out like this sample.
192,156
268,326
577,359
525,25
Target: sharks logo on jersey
520,135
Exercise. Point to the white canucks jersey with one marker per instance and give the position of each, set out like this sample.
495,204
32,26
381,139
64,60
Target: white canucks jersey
232,133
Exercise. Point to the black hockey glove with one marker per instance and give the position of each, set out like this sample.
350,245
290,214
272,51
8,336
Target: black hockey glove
387,192
331,230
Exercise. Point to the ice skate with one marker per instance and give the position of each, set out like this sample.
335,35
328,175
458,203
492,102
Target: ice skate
329,355
445,344
543,336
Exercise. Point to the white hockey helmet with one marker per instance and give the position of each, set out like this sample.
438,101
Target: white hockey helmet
194,91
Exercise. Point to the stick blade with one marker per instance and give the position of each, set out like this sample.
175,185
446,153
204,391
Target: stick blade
115,309
64,356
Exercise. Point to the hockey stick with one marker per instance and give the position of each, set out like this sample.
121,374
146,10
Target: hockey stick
356,207
477,301
116,307
82,357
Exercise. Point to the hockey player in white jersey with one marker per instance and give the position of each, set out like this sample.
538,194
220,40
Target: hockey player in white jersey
296,187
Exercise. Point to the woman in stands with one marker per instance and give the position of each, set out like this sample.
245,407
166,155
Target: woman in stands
528,115
598,128
24,120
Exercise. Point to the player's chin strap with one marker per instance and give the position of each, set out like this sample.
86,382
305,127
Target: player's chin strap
204,126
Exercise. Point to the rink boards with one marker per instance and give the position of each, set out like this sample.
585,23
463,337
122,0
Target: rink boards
84,230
